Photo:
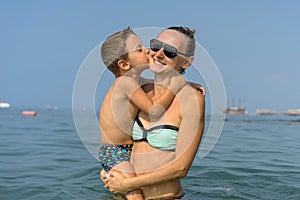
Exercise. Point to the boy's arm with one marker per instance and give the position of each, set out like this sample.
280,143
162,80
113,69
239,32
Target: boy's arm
157,106
144,81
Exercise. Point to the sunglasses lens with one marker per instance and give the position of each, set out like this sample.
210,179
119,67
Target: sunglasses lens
155,45
169,51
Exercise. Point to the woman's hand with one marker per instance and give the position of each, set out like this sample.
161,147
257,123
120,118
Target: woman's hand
115,184
113,181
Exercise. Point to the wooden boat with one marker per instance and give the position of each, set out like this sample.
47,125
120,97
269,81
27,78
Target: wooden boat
235,110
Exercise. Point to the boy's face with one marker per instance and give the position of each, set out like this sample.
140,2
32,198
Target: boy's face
137,53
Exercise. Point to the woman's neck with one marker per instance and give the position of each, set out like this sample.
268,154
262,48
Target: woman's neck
160,84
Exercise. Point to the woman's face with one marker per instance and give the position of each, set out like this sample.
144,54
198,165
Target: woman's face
159,62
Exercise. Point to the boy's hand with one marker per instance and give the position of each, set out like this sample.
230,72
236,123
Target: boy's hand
198,87
105,177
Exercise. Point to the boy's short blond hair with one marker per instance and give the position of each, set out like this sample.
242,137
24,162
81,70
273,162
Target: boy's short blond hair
114,48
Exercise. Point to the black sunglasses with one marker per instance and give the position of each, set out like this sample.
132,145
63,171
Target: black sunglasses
169,51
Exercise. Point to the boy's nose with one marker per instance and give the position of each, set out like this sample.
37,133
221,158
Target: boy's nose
147,51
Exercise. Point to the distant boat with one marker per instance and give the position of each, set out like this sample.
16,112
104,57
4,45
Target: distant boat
292,112
29,113
235,110
4,105
265,112
50,107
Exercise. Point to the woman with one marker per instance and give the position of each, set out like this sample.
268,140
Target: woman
164,149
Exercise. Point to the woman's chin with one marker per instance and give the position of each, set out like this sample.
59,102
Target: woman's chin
157,68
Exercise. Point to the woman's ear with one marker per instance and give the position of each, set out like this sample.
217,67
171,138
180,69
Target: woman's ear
188,62
124,64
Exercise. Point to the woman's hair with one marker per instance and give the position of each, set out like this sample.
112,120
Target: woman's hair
191,43
114,48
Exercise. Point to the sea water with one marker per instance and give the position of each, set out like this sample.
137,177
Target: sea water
42,157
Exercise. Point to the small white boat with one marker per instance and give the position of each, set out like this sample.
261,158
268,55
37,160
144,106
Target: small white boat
292,112
50,107
4,105
265,112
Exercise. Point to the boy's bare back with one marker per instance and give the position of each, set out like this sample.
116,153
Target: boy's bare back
118,113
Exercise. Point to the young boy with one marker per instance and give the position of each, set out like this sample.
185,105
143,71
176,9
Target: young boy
124,55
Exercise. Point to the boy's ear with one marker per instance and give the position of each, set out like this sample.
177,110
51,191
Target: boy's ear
188,62
124,64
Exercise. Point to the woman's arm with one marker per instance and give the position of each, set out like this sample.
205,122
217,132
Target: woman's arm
190,134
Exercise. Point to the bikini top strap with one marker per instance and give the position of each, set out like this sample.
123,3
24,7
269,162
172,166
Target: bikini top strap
142,127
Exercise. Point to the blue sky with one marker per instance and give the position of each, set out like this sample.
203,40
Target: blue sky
255,45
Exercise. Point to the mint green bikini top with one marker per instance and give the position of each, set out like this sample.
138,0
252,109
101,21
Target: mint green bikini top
162,137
